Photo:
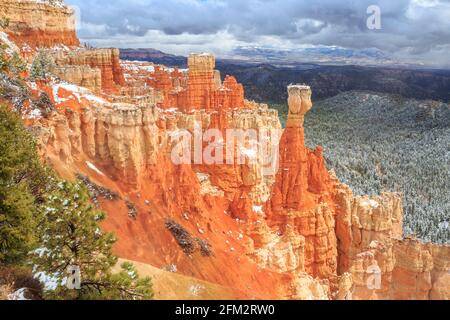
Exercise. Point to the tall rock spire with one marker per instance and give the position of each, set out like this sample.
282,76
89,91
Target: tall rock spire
302,172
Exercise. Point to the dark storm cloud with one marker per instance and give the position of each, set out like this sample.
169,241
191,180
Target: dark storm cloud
409,27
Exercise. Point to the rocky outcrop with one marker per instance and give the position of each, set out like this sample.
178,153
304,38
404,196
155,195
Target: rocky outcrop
169,83
372,249
129,147
121,137
301,192
300,226
106,60
281,253
201,83
39,23
302,172
421,271
316,226
84,76
198,88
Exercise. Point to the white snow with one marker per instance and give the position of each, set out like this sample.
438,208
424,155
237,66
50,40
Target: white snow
299,86
42,251
33,85
195,290
203,54
55,3
78,92
373,204
18,295
370,203
443,225
149,68
94,168
94,98
136,66
50,282
11,46
258,209
35,113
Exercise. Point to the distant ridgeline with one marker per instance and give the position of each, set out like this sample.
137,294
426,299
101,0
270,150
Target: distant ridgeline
265,82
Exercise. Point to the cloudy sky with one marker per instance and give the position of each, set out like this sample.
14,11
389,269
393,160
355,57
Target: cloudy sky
411,30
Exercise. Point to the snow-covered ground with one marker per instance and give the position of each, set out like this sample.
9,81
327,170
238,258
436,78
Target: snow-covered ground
94,168
77,91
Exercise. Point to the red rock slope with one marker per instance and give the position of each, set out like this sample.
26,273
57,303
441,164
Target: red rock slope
295,233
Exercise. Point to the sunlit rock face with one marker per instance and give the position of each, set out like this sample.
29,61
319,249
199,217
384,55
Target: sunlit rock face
294,233
81,75
301,223
105,61
39,23
300,200
371,247
198,88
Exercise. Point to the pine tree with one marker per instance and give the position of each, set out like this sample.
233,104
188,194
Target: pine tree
71,236
21,178
41,66
11,63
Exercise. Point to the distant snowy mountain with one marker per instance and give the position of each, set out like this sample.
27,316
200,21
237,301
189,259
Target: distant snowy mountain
316,54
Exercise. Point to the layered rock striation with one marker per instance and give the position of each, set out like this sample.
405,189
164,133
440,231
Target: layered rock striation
106,61
299,231
293,232
372,248
198,88
300,227
38,24
80,75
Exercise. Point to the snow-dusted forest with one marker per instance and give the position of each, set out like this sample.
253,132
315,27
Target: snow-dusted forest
378,142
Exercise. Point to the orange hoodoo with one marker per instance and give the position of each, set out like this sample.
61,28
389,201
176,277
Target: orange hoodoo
202,90
302,173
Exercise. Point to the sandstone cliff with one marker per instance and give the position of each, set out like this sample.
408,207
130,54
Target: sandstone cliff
39,23
305,233
371,239
198,88
294,232
104,60
82,75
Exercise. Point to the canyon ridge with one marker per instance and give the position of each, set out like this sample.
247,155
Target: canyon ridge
218,231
